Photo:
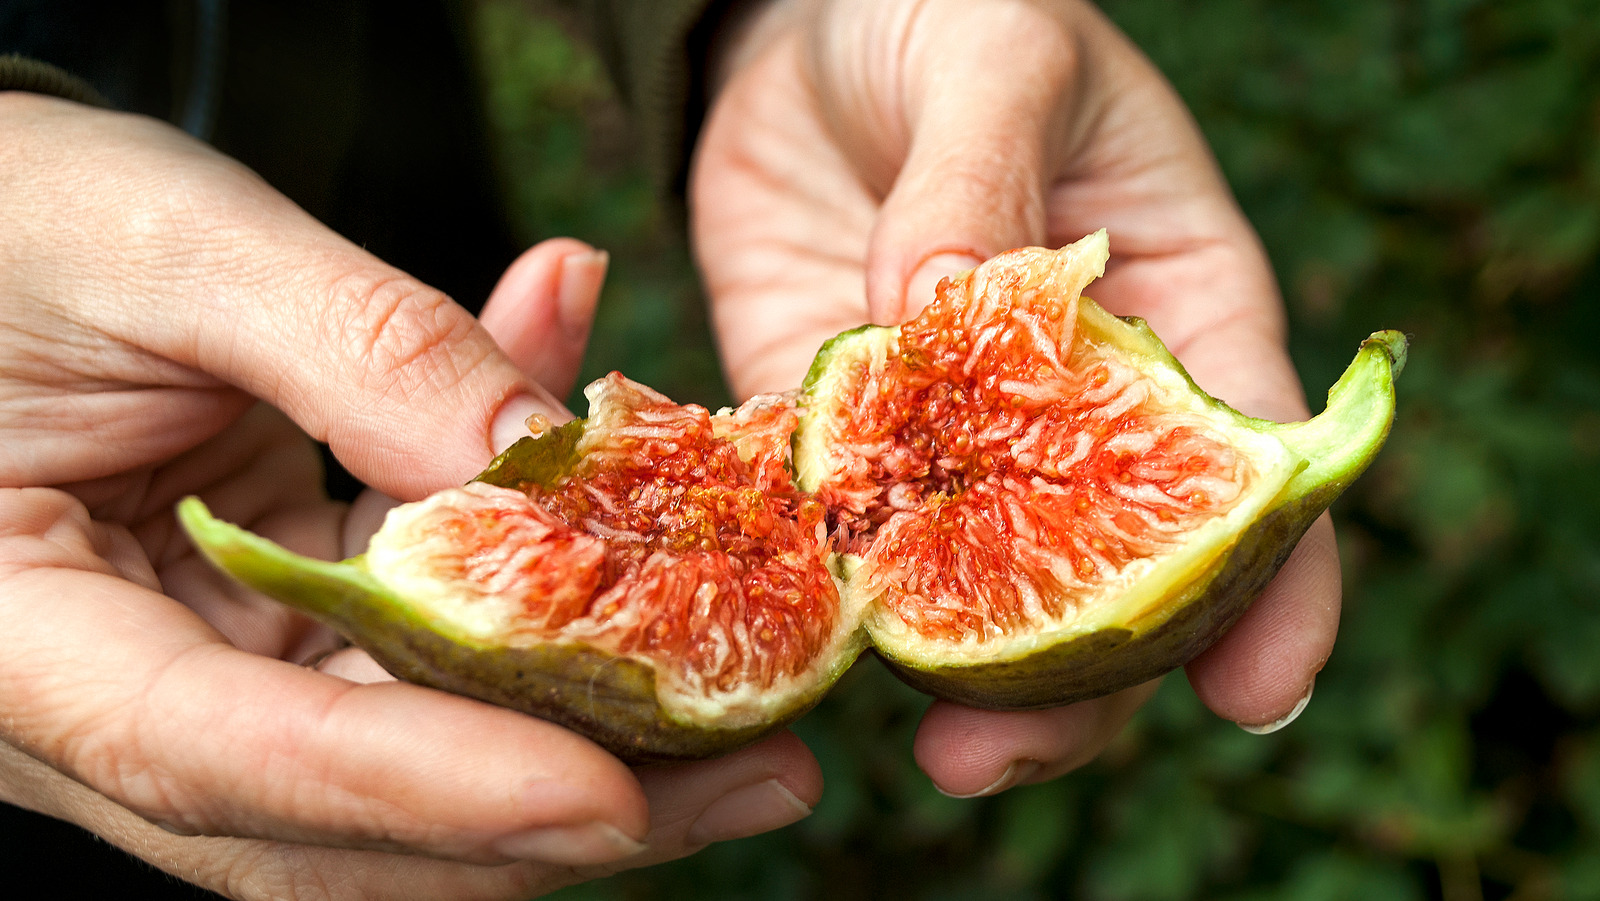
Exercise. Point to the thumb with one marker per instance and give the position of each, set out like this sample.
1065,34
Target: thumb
191,275
407,388
973,181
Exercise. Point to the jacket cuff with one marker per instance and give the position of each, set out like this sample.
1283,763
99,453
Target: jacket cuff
19,73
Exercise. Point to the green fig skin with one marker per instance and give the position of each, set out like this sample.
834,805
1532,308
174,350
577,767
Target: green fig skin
536,460
1338,444
611,700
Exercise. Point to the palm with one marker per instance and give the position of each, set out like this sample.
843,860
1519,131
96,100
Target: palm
781,226
263,471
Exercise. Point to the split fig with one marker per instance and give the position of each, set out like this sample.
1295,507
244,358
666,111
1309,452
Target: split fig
1017,499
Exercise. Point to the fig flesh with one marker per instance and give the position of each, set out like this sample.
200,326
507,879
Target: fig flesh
647,576
1017,499
1037,505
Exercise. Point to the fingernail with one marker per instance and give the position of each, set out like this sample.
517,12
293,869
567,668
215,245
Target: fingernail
578,290
922,284
1285,720
748,811
590,843
172,828
354,665
1018,772
512,421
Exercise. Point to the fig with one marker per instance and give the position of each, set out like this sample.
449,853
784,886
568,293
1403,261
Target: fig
1016,499
648,576
1037,505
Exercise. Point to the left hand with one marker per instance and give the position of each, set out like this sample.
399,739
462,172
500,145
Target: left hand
157,302
857,152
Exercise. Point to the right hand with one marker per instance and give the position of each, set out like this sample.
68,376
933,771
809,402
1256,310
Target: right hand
153,294
856,152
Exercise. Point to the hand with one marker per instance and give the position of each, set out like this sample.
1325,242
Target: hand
857,152
153,294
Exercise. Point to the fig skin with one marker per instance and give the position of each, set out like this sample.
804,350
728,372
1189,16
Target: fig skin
1339,445
609,699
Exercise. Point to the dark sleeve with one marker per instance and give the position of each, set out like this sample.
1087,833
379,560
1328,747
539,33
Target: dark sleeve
656,52
19,73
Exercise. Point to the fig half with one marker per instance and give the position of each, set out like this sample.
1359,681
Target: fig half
648,576
1018,499
1035,502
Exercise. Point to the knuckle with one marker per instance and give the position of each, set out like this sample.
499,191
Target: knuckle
401,337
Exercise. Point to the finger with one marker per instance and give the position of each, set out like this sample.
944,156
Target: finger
763,787
406,387
132,694
353,664
1260,673
541,310
766,786
1183,256
262,471
206,266
365,518
258,869
974,174
974,753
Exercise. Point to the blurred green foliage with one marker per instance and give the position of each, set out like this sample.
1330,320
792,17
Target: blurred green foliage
565,153
1429,165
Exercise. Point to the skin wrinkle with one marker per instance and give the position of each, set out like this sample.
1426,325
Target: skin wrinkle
114,498
775,248
394,329
99,364
318,783
295,880
262,441
303,873
53,526
900,136
761,175
759,172
1144,251
1221,320
1071,126
1075,203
